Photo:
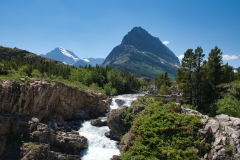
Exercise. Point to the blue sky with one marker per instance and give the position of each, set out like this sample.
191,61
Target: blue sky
92,28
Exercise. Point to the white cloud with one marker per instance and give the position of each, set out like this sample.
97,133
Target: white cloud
229,57
180,57
165,42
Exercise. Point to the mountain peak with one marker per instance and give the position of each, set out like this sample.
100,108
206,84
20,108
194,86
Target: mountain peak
136,34
68,53
64,55
143,55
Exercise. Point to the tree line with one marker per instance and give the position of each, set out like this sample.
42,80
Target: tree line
104,79
204,82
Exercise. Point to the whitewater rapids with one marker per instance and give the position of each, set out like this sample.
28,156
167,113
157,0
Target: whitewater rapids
100,147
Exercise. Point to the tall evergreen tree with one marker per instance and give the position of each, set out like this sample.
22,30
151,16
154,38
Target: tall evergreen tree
215,66
197,78
162,79
184,76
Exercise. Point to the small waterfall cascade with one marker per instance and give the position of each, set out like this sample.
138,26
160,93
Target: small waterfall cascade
100,147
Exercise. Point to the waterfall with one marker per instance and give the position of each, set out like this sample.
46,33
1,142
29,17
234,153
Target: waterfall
100,147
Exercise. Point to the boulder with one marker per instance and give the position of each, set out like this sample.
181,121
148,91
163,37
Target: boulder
69,143
99,122
119,102
115,157
114,123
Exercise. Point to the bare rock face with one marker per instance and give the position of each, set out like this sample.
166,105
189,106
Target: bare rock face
42,100
223,133
34,140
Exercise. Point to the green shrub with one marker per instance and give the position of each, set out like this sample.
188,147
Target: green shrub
228,105
161,132
228,148
164,90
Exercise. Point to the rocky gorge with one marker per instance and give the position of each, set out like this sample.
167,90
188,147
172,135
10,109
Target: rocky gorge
36,122
36,119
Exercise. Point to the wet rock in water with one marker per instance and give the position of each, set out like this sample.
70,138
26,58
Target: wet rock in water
60,156
120,102
99,122
107,134
115,157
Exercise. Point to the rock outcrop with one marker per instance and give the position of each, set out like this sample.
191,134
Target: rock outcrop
42,100
34,140
32,119
223,133
116,123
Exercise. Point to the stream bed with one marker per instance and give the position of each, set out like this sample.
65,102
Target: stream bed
100,147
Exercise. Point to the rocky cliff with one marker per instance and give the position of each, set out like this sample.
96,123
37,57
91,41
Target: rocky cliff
223,133
42,100
23,106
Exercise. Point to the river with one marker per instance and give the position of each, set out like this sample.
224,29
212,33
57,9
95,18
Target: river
100,147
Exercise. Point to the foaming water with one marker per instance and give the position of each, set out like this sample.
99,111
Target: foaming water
127,98
100,147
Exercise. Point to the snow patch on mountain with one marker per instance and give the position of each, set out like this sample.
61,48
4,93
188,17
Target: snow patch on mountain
86,60
66,53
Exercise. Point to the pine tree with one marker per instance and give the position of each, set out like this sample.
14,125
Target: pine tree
184,76
197,78
162,79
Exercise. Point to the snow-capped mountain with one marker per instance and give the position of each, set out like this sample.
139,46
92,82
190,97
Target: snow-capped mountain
63,55
68,57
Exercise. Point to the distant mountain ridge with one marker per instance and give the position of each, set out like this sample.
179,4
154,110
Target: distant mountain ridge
68,57
63,55
142,55
94,61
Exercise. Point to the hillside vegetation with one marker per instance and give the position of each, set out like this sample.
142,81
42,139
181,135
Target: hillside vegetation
162,132
16,64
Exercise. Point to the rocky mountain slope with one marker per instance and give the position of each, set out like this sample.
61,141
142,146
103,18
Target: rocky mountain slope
33,118
142,55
